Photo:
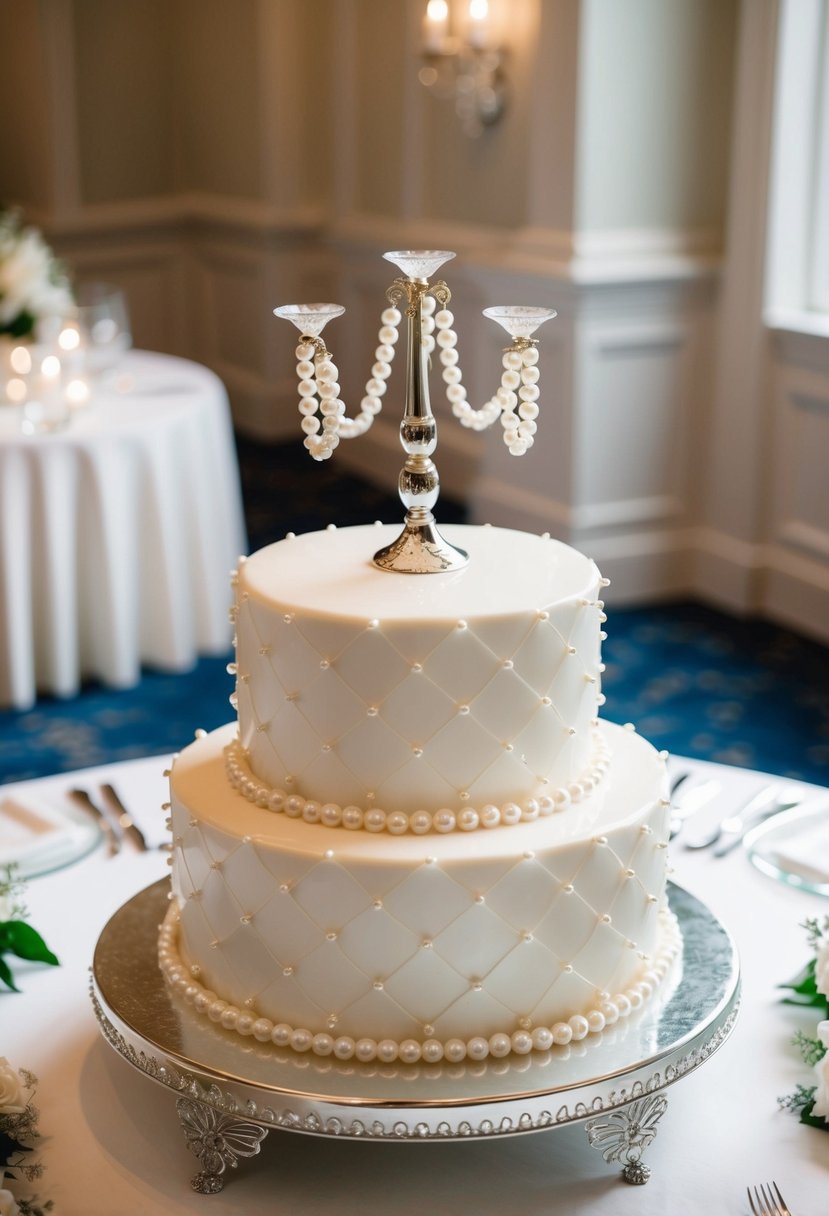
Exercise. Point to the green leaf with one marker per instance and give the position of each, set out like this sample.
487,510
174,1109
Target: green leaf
26,942
6,976
804,982
807,1117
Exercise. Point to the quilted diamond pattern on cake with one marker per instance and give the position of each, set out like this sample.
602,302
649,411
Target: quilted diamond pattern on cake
569,687
291,658
605,942
531,659
284,994
371,737
505,705
504,635
286,867
326,970
458,749
303,741
330,896
222,909
328,635
375,942
372,1015
473,1009
427,901
215,968
252,962
195,863
580,919
413,984
523,897
417,709
283,920
330,707
370,665
569,990
245,874
462,664
533,967
475,942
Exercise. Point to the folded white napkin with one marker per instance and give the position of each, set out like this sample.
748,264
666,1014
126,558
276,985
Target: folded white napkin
800,846
36,836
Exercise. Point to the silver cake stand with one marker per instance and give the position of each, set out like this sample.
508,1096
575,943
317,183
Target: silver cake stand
231,1091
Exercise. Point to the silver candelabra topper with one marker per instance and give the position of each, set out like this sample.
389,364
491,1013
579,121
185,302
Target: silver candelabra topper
420,548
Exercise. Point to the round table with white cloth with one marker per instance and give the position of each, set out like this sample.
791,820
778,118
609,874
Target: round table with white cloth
118,533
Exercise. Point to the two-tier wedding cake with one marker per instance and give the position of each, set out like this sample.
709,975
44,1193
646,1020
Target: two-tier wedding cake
420,842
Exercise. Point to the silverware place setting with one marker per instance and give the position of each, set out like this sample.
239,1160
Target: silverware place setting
767,1200
726,830
112,817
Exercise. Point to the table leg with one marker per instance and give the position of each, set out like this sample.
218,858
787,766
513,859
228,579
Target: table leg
626,1132
218,1140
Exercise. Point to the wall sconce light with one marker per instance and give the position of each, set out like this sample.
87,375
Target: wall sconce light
467,67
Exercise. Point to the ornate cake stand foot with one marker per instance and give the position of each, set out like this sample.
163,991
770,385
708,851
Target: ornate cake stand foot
218,1140
626,1133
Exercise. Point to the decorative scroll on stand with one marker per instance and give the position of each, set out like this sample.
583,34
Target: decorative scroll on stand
420,548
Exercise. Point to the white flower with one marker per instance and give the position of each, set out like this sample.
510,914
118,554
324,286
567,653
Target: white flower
8,1204
12,1091
822,965
821,1106
30,280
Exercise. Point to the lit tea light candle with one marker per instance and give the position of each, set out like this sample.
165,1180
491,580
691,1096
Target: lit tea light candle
478,24
77,392
21,360
69,338
16,390
436,25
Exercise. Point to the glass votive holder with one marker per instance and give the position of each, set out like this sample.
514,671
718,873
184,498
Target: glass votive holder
102,318
41,394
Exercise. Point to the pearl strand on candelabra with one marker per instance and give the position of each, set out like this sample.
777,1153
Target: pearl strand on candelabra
319,389
520,373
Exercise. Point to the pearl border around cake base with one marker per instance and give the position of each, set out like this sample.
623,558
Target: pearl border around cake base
232,1091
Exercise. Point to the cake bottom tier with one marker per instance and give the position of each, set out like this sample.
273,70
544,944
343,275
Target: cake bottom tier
478,943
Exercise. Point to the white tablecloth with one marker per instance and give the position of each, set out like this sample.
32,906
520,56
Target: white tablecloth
113,1143
117,534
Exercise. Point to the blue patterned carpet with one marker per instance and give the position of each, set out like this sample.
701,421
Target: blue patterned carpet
693,680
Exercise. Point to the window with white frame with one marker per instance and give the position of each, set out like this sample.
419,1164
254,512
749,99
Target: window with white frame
797,280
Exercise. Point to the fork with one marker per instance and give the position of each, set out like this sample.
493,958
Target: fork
764,1202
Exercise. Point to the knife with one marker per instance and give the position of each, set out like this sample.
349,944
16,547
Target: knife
113,837
125,820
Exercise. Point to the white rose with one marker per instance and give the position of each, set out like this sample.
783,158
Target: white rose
12,1091
8,1204
821,1106
822,966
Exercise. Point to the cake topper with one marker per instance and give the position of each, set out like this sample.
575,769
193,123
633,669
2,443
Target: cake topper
420,548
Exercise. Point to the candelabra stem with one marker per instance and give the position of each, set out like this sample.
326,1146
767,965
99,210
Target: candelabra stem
420,548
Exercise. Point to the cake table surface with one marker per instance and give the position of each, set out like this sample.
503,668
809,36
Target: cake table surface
722,1130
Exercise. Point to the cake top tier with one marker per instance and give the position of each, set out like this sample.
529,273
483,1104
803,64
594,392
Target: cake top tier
331,574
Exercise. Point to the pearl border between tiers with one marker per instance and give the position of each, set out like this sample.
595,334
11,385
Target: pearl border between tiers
411,1051
420,822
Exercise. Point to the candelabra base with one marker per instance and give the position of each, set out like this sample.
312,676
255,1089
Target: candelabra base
420,549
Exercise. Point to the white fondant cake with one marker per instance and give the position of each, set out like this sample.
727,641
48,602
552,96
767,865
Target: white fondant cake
421,843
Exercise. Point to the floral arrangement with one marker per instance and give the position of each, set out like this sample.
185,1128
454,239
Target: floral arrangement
18,1128
33,283
811,988
16,936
